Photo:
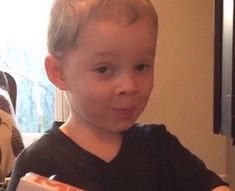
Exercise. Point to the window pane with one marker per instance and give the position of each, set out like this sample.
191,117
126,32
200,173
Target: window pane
22,52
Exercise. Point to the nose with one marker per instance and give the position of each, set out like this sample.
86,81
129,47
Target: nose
127,84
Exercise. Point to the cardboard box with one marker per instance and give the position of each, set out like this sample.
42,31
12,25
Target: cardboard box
35,182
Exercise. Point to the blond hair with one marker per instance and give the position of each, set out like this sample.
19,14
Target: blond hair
69,16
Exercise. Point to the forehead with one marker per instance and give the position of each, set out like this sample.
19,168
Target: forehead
110,35
125,11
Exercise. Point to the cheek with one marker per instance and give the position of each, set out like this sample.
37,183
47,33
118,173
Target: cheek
150,88
147,86
93,106
94,95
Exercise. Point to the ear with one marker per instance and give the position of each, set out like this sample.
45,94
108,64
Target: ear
54,72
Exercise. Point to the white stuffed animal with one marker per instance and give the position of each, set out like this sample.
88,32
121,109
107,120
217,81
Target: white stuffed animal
10,140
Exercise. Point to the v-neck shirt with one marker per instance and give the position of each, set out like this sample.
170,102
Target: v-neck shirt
150,158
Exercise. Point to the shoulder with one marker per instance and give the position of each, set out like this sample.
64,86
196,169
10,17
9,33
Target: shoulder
49,146
153,138
45,156
147,130
156,134
160,142
47,143
33,159
37,151
186,169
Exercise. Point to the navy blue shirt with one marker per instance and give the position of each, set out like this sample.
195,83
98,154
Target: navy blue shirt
149,159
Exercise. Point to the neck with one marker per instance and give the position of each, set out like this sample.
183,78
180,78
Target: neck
103,144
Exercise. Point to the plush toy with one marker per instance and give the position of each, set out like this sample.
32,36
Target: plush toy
11,143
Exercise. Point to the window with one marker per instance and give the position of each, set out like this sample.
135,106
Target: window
22,52
224,78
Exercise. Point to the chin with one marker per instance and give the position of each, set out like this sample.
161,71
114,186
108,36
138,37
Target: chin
118,128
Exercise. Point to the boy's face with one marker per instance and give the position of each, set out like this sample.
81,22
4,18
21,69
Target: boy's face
109,76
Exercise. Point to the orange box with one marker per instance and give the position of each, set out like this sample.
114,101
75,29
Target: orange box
35,182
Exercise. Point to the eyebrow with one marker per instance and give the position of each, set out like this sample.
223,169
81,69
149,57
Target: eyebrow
108,53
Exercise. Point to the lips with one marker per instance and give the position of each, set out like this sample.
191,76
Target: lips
125,112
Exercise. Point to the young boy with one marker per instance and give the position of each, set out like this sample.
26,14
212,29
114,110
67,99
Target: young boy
101,53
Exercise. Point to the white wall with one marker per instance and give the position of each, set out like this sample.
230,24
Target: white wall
183,94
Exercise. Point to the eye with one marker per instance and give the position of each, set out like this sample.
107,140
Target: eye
142,67
103,69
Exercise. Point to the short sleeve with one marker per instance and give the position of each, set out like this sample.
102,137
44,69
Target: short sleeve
186,171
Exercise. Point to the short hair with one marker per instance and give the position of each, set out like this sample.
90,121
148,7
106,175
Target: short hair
68,17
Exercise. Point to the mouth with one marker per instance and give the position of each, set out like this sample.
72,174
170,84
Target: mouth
124,112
